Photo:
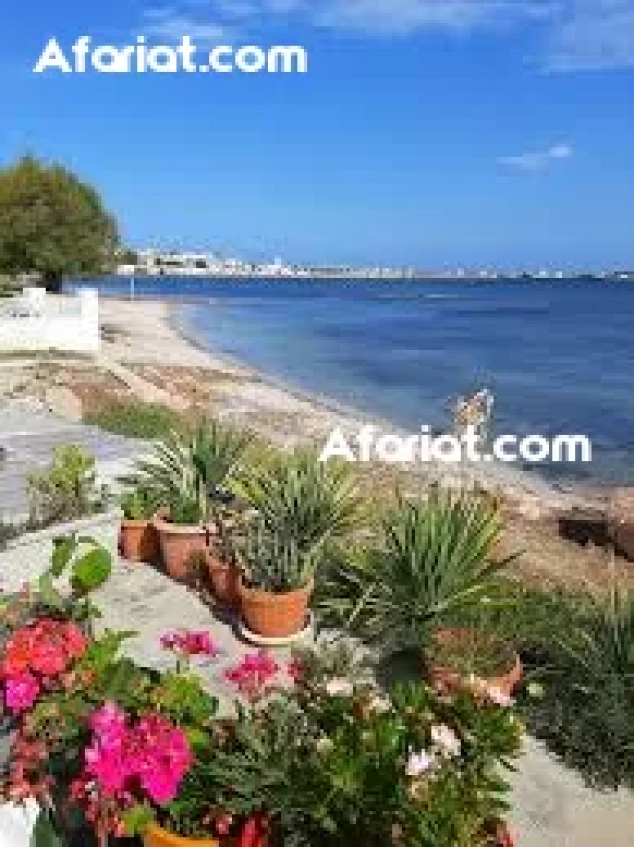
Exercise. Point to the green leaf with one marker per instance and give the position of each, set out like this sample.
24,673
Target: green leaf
137,819
44,834
63,549
49,595
92,570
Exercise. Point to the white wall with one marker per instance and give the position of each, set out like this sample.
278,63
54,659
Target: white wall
37,321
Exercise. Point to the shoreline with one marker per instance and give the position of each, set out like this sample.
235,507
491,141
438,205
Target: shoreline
145,357
258,398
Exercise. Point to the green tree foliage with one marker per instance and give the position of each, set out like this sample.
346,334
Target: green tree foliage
52,224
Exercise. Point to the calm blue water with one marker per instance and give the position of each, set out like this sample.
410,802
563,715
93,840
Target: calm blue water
559,356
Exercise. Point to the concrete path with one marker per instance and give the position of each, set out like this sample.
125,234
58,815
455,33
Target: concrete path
552,807
28,436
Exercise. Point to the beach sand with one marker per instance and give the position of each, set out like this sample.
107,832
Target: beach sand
146,355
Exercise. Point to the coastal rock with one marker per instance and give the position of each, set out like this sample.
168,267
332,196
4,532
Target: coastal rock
621,521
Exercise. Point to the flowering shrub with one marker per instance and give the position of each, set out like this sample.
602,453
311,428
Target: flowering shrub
333,763
35,657
127,763
416,768
314,754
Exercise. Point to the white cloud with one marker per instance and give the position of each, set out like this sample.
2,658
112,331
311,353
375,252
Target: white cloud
538,161
169,24
593,35
575,34
407,16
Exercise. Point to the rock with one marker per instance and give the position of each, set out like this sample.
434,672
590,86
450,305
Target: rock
585,527
621,522
64,403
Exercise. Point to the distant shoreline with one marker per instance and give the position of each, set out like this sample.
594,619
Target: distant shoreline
617,278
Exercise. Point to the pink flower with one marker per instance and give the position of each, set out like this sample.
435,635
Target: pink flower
107,759
254,674
190,643
21,692
165,757
419,764
154,754
498,697
295,669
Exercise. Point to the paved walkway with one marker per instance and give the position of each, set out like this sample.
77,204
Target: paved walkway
28,436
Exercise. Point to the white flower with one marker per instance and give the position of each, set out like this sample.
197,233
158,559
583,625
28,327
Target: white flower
324,745
379,705
445,739
340,688
419,764
498,697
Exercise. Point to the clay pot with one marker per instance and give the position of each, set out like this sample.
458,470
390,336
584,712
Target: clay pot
446,679
179,544
255,833
225,579
140,541
155,836
621,522
275,615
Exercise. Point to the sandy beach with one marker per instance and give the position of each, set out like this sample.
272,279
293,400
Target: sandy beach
146,356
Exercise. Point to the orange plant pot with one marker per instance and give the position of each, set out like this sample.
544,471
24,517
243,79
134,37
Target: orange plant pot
155,836
225,579
447,679
179,544
140,541
275,615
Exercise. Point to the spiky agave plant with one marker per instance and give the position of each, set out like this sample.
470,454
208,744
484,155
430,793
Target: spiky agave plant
585,712
274,562
302,499
435,558
194,464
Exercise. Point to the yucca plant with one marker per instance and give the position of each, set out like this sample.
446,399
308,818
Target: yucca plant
585,713
198,463
434,558
303,500
274,562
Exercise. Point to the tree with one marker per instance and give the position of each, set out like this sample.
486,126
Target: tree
52,223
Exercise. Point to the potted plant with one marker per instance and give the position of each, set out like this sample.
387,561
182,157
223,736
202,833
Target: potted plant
139,538
182,533
224,571
304,509
465,656
276,584
433,560
185,470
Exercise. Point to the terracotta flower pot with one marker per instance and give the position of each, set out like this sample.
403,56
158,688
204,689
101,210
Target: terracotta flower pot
225,579
255,833
275,615
155,836
140,541
445,678
179,544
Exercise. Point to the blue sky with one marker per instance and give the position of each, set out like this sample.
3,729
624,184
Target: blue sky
426,132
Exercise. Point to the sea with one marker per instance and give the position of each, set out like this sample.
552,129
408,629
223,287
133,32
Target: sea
557,355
